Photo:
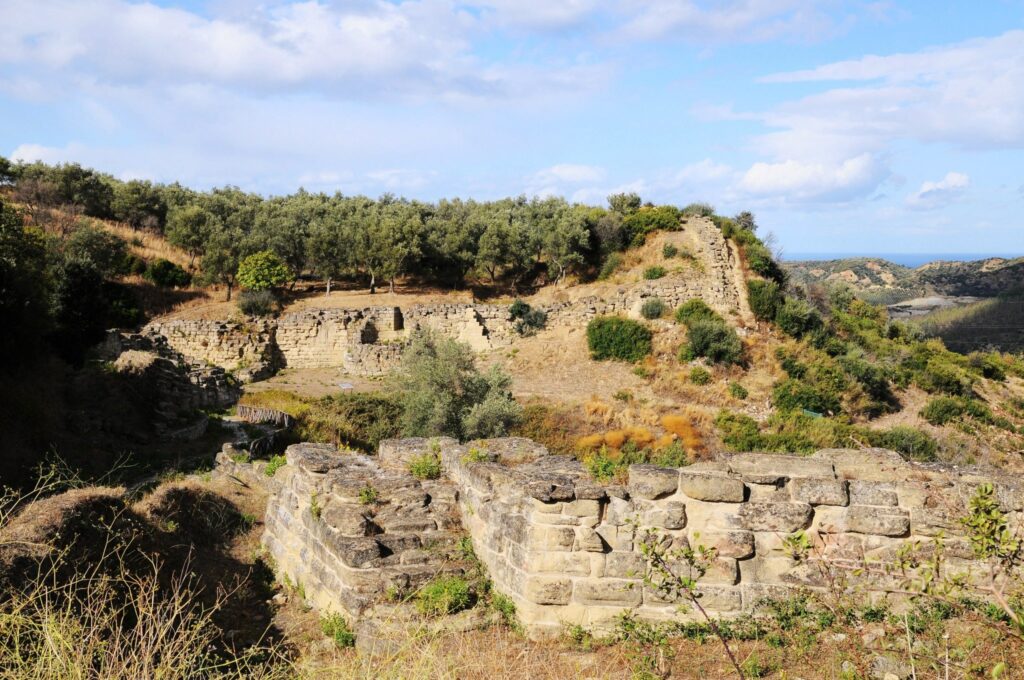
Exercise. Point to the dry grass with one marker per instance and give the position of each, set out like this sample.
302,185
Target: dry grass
145,244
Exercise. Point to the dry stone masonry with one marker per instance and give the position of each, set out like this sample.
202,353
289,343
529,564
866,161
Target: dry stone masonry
370,342
567,549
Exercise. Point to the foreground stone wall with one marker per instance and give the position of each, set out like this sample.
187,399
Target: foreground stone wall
567,550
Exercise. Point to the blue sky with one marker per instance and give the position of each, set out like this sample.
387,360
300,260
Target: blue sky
870,127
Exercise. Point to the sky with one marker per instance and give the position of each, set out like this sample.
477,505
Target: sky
845,126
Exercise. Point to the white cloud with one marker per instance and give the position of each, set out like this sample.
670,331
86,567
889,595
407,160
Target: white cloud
969,94
793,180
938,194
732,20
569,173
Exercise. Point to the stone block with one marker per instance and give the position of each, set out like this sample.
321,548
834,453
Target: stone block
590,541
781,517
552,538
721,571
605,591
872,493
735,544
582,508
356,552
651,481
624,565
712,488
665,515
774,465
819,491
575,564
548,590
880,522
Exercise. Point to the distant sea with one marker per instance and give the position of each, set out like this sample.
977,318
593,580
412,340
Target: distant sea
905,259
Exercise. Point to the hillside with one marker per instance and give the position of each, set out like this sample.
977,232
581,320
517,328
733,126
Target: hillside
884,282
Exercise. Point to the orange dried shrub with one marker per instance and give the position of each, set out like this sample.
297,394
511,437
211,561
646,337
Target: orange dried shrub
689,436
590,441
663,441
640,436
615,438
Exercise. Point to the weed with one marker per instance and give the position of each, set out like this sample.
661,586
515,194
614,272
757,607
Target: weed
738,391
274,464
699,375
314,506
336,627
425,466
444,595
368,495
655,272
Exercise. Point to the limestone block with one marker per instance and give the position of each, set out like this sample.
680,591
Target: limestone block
548,590
873,520
604,591
624,565
721,571
582,508
665,515
651,481
576,563
872,493
782,517
619,511
819,491
770,465
347,519
713,488
552,538
355,552
590,541
618,537
735,544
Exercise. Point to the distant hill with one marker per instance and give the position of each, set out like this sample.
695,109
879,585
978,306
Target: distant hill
885,282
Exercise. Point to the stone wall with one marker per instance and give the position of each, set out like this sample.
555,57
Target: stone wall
567,550
369,341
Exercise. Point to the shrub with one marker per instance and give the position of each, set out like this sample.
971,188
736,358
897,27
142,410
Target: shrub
442,392
714,340
425,466
647,219
668,251
942,410
274,464
738,391
699,375
368,495
444,595
694,310
336,628
611,337
610,266
263,271
166,274
940,375
133,264
257,302
699,209
912,443
797,318
765,297
653,308
655,272
791,394
528,320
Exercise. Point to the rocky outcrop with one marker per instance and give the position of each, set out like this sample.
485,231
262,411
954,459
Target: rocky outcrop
567,550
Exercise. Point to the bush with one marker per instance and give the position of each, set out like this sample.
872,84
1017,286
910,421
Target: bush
528,320
425,466
648,219
274,464
797,318
940,375
359,420
912,443
791,395
942,410
611,337
257,302
336,627
166,274
765,297
738,391
695,310
699,375
443,393
263,271
653,308
714,340
610,266
444,595
699,209
655,272
668,251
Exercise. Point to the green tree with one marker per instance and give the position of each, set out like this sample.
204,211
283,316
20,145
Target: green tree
190,229
104,250
389,240
220,259
443,393
140,204
624,204
24,286
263,271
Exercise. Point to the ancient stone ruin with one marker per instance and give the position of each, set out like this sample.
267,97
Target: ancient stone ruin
566,549
370,341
